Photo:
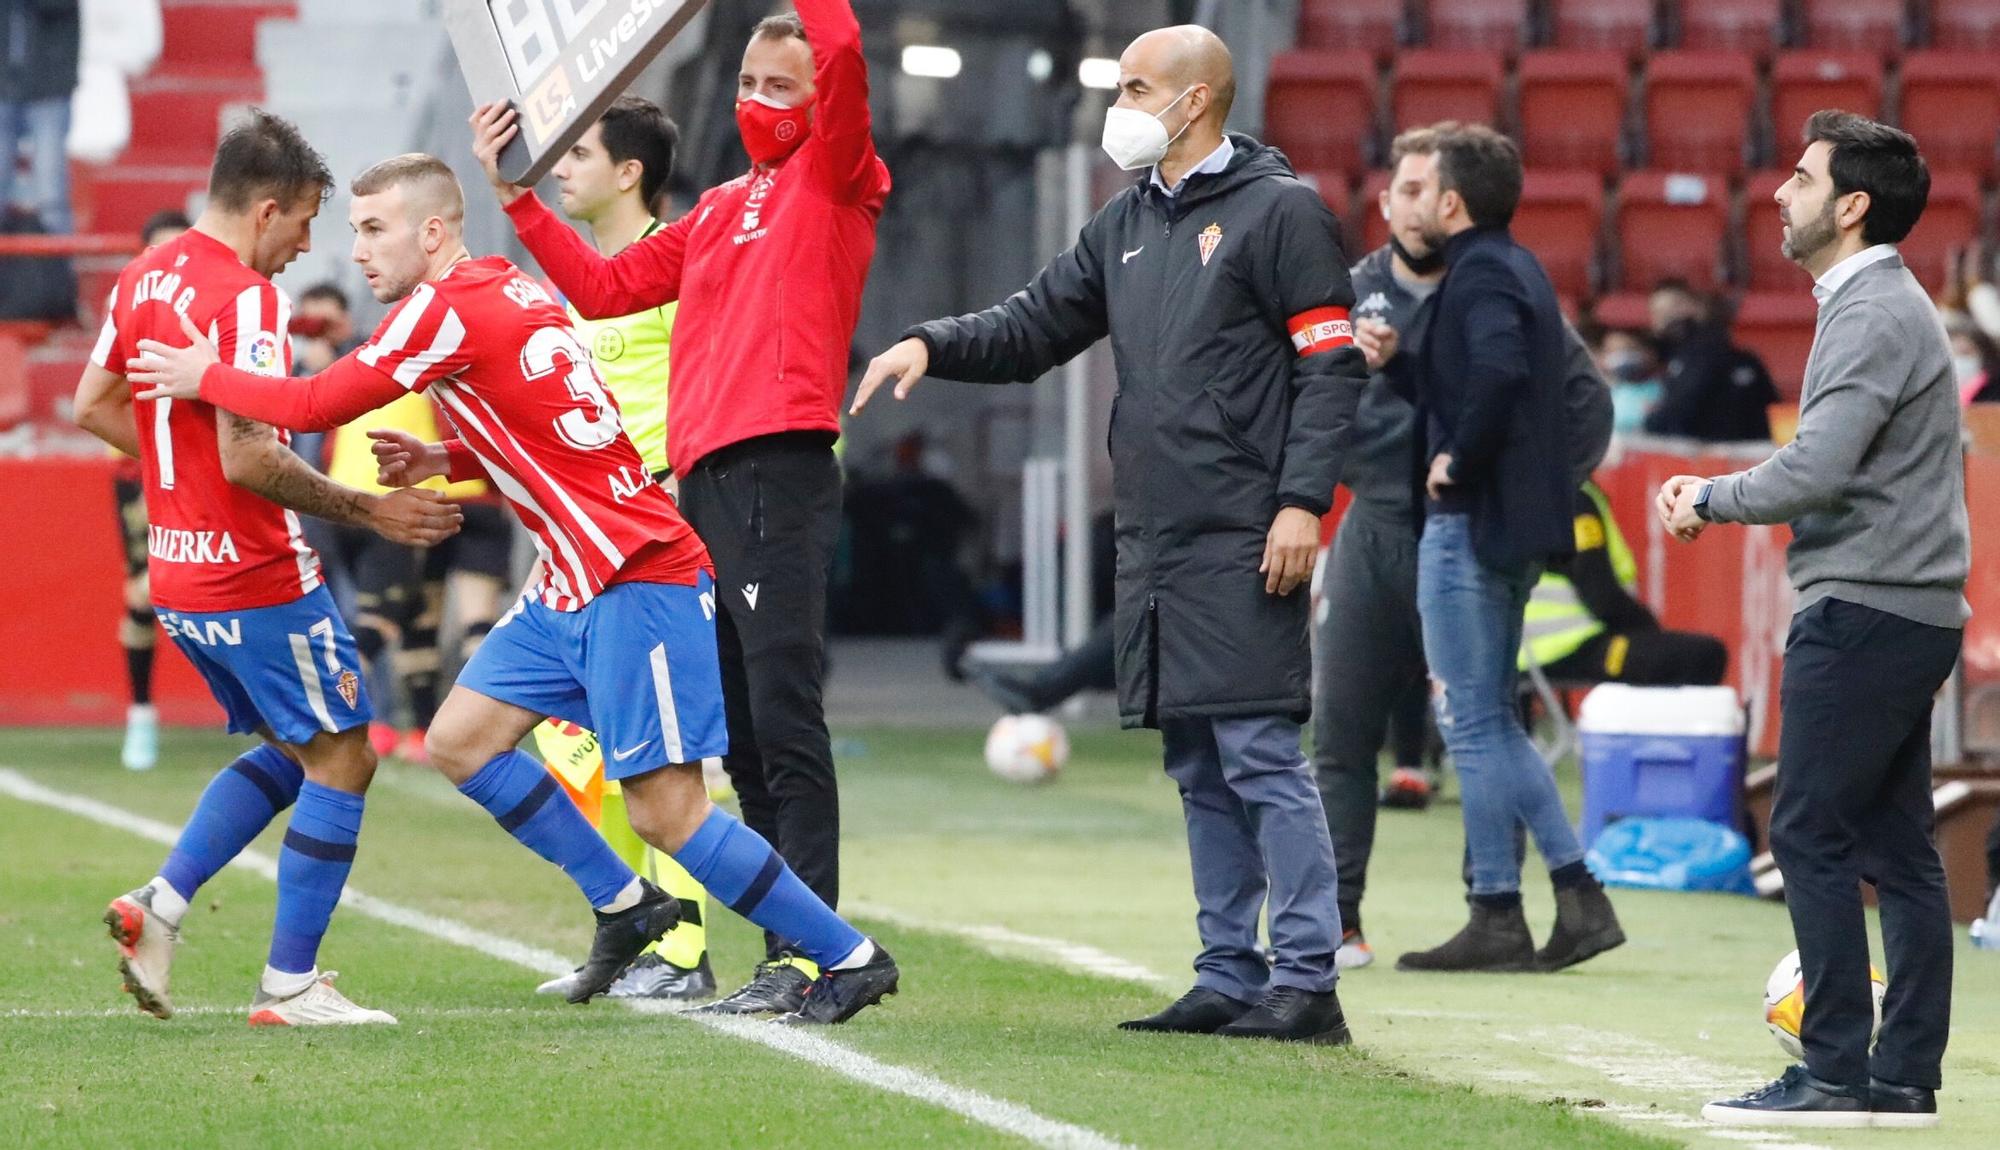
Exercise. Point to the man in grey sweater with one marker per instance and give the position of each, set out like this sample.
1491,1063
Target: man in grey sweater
1874,490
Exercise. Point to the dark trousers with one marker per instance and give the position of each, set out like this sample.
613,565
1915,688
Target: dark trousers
1853,803
1088,666
1645,659
769,511
1370,644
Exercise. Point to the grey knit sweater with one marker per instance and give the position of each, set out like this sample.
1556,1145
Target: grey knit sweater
1874,484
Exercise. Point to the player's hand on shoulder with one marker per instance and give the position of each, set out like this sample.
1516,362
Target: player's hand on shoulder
905,363
415,517
403,460
494,126
162,371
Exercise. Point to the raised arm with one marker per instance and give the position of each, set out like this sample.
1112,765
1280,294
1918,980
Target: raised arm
1060,313
844,163
645,275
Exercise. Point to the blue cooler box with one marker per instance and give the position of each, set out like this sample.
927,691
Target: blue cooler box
1661,751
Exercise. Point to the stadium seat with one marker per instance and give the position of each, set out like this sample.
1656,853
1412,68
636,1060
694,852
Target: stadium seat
1950,221
1320,108
1804,82
1698,110
1966,25
1951,101
1371,26
1764,237
1853,25
1332,187
1572,109
1479,25
1671,224
1560,218
1374,229
1779,328
1603,25
1730,25
1432,85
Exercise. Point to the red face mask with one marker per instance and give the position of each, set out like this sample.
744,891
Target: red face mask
770,130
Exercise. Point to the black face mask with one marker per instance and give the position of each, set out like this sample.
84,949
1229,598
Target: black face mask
1421,265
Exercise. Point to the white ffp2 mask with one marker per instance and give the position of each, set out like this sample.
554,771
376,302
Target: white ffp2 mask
1135,139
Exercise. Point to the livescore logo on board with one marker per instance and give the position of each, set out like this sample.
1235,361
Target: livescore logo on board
557,47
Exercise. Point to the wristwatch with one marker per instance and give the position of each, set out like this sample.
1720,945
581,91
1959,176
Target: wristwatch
1701,501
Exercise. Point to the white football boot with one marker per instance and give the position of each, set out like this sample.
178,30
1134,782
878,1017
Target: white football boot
562,985
145,949
317,1005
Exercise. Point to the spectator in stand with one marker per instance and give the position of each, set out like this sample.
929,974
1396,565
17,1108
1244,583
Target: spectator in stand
136,633
1714,390
1975,360
39,41
1629,360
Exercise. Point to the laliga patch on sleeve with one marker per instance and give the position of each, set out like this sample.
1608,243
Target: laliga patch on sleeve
1321,329
262,353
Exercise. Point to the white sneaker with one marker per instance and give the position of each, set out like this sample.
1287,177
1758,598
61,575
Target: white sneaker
561,985
1354,952
317,1005
145,949
142,738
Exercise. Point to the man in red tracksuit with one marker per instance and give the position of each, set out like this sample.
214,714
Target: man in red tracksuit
768,269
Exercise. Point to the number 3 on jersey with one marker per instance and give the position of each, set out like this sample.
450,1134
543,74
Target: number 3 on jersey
585,428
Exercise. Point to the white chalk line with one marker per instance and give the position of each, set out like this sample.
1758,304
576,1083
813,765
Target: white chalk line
1006,1117
1005,942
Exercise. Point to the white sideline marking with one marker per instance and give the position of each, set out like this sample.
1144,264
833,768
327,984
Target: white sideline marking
1005,1117
243,1011
1000,940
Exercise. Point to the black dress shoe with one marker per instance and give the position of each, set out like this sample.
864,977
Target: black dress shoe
1797,1099
1897,1107
1199,1011
1293,1014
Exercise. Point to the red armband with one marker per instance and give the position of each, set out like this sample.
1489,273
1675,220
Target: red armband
1321,329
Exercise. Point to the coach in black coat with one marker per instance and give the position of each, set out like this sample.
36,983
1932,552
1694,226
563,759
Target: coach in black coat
1220,279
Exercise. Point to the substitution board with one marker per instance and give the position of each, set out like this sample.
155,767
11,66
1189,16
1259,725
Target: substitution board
559,62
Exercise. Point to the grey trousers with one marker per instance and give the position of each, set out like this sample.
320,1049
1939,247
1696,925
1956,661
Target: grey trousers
1255,828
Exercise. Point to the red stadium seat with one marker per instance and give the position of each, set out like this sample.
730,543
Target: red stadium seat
1779,328
1731,25
1966,25
1560,218
1950,221
1572,109
1320,108
1374,229
1854,25
1951,101
1489,25
1764,237
1370,26
1433,85
1698,110
1805,82
1604,25
1332,187
1671,224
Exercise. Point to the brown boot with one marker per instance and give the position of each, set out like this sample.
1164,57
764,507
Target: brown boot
1586,927
1496,939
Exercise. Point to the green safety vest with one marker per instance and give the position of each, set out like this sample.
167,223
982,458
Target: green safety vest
1557,622
632,353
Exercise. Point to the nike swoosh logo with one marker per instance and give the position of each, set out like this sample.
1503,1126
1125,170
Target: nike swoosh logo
1133,252
621,756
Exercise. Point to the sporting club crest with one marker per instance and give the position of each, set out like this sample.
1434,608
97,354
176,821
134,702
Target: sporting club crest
1209,239
349,686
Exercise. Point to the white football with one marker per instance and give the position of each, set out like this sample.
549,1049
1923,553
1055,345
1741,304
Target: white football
1785,1002
1026,748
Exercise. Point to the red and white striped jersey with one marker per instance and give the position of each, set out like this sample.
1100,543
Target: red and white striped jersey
500,356
212,546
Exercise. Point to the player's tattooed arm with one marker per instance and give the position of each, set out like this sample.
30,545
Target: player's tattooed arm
254,459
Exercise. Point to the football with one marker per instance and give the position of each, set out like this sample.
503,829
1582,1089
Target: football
1026,748
1785,1002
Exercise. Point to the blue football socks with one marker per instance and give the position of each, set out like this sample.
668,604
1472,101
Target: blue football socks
238,804
312,869
740,869
529,804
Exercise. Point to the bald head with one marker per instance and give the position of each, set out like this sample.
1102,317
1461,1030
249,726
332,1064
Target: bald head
1168,61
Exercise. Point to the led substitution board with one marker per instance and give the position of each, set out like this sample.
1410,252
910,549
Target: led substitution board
559,62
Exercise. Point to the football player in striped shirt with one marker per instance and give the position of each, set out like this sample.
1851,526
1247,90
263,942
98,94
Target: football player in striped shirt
618,633
234,583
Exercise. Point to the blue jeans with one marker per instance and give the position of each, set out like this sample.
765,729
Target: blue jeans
44,125
1255,828
1472,631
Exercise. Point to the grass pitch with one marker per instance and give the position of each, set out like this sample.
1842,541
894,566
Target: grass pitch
1616,1053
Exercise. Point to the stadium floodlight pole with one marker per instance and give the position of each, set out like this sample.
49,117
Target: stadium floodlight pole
560,63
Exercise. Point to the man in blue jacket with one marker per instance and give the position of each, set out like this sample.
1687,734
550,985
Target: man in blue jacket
1489,385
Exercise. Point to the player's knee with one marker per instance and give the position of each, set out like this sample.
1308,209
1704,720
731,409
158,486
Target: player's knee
667,806
343,761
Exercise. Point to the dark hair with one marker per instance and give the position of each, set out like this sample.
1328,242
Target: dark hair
1484,168
164,218
1877,159
636,129
328,292
782,26
265,157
